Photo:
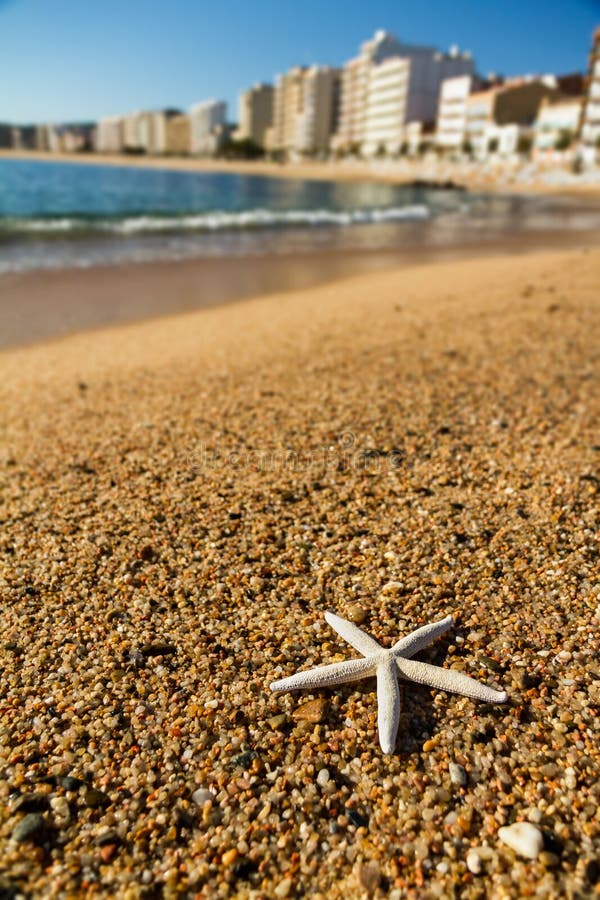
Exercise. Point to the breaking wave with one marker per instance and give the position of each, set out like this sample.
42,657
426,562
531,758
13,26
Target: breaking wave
219,220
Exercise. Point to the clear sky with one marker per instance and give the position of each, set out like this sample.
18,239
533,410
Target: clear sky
64,60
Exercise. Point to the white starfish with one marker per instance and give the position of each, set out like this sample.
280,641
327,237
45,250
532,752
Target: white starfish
388,665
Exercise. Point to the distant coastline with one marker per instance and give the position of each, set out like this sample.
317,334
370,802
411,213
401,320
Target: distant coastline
500,177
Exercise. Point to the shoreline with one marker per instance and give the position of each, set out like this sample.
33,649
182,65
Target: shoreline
474,177
48,305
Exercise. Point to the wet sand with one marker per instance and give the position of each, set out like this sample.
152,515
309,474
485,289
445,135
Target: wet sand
37,306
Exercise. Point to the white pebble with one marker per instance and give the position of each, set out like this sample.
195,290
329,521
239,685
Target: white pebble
474,862
534,815
458,775
202,796
283,888
524,838
323,777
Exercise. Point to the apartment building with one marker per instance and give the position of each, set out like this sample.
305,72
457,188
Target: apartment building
590,118
557,120
287,106
47,138
387,85
177,138
23,137
304,111
255,113
451,122
316,121
207,124
75,138
427,72
109,135
498,116
452,112
157,129
68,138
385,115
406,89
354,89
136,132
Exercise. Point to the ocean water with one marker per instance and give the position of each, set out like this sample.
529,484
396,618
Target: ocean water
59,215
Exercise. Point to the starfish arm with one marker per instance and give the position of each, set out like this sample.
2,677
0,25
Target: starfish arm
355,637
325,676
388,704
448,680
420,638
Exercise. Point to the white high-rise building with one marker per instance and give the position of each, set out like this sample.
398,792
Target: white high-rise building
207,121
388,85
386,106
354,89
427,72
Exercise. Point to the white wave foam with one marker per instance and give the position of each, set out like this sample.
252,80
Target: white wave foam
40,225
264,218
220,220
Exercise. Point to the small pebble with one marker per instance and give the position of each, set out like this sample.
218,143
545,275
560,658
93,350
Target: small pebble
30,828
283,889
107,852
275,722
313,711
549,860
202,796
95,798
110,836
524,838
356,614
323,777
474,864
458,775
70,783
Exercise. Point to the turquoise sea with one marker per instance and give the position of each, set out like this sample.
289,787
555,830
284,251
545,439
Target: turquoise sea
55,215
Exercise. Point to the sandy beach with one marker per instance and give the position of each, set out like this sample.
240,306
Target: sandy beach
186,497
490,177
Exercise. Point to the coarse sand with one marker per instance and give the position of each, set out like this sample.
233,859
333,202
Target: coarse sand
183,499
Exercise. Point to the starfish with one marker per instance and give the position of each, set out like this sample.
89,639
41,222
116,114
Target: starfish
387,665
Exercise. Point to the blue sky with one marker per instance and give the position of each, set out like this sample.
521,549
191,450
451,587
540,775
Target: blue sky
64,60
